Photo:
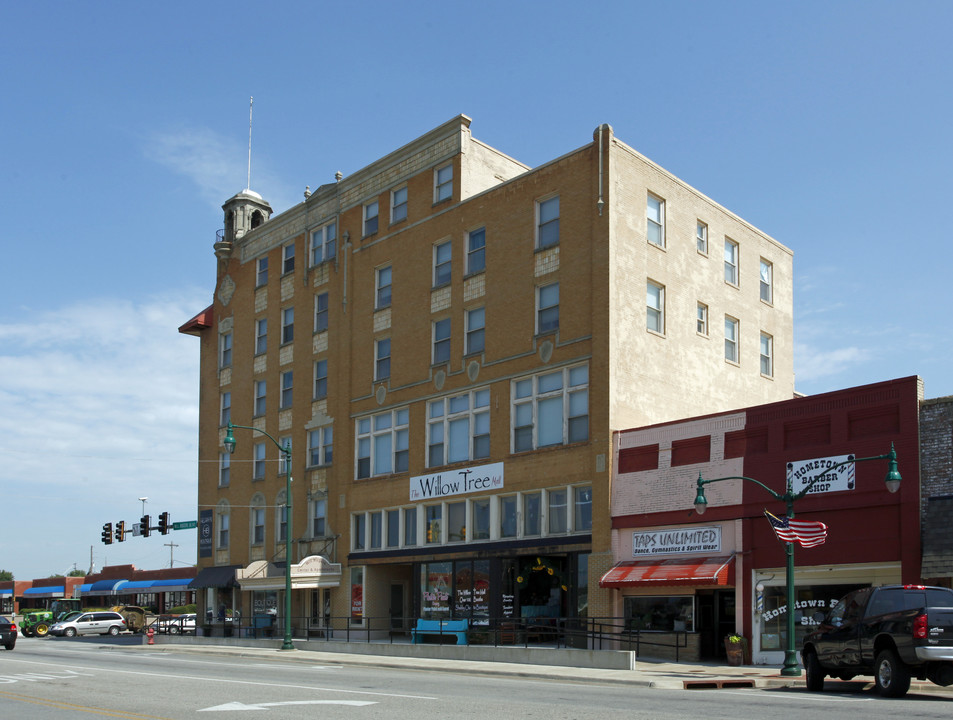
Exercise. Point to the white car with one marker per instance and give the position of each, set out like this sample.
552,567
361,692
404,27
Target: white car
91,623
178,625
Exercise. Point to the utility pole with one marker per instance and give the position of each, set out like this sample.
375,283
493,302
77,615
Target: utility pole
171,546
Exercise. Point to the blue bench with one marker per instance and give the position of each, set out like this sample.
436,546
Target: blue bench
440,628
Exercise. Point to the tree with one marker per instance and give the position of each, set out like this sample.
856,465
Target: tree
5,575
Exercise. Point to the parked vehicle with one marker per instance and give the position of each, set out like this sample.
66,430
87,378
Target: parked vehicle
176,624
8,633
38,622
893,632
100,622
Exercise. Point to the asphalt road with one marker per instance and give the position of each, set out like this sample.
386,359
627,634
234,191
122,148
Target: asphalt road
61,678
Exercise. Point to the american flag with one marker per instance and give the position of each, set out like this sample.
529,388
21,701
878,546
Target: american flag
806,532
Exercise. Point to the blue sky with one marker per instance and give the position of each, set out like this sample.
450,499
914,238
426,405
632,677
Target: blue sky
124,127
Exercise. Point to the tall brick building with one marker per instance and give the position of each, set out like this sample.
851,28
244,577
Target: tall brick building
448,339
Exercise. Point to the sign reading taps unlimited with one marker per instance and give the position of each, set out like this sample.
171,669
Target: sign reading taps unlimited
457,482
691,539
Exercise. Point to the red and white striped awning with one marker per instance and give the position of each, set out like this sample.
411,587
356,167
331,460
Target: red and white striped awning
710,570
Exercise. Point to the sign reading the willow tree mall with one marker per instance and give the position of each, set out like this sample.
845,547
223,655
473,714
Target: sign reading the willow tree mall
801,473
691,539
457,482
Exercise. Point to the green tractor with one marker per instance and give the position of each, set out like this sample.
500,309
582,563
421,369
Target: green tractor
38,622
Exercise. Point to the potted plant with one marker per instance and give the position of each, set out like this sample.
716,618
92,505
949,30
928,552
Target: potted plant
735,649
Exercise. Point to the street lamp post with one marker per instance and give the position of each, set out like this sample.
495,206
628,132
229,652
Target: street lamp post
791,667
230,447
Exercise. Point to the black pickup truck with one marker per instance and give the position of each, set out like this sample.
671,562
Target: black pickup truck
893,632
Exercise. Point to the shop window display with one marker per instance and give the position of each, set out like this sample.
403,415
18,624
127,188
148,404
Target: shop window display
662,613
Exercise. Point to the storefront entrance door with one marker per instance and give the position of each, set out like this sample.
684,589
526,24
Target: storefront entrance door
716,619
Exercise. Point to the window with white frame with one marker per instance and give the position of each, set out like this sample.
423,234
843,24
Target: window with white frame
320,312
701,237
383,443
320,379
547,222
383,284
281,517
261,276
532,514
731,262
410,526
480,520
287,325
398,205
324,243
287,389
224,468
509,516
458,428
359,532
223,523
392,533
258,461
557,513
655,220
476,251
319,517
441,341
382,359
551,409
731,339
258,520
442,254
261,336
457,521
433,520
370,218
582,504
767,281
226,414
701,319
476,329
377,530
288,259
261,397
655,307
547,308
321,446
443,183
767,355
225,350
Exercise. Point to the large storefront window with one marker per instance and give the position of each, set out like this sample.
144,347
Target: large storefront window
435,589
664,613
357,596
809,601
472,591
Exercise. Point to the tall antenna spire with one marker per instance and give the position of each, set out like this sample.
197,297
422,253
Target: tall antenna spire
251,102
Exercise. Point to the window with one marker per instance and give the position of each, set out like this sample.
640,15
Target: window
288,259
456,521
441,341
320,446
532,503
701,319
393,528
226,415
287,389
261,393
508,516
324,243
320,379
475,337
261,277
731,262
481,519
224,468
377,530
225,350
701,237
261,336
319,517
731,339
287,325
582,517
458,428
382,359
383,287
547,308
441,264
370,218
669,613
655,307
258,524
557,515
382,443
398,205
360,528
655,220
551,409
258,462
223,518
767,355
547,222
433,515
767,284
476,251
320,312
443,183
410,526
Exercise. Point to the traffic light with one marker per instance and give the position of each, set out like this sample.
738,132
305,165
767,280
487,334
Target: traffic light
108,534
164,523
120,531
144,528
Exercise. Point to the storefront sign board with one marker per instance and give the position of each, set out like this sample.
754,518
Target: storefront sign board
480,478
690,539
801,472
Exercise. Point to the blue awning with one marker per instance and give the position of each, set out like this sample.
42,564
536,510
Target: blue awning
177,585
6,593
105,587
48,591
135,586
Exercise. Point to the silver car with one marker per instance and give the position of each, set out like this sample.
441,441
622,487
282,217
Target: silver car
99,622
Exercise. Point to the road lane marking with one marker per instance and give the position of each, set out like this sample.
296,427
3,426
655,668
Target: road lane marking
264,706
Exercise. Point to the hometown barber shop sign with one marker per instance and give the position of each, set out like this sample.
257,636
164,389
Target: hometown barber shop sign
691,539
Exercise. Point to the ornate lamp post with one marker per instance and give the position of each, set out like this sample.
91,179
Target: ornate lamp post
791,667
230,447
